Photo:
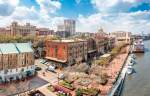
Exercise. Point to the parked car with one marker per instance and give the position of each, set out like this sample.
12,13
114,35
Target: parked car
46,63
51,68
61,76
43,61
38,68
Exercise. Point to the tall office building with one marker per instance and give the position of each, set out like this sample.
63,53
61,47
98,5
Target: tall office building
70,26
67,29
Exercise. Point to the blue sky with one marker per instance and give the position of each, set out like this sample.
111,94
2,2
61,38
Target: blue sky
111,15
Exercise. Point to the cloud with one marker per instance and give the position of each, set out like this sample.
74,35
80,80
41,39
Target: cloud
116,5
115,15
49,6
7,7
130,1
11,2
112,16
104,4
10,10
27,13
134,22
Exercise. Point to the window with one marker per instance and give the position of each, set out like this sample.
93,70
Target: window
5,71
16,69
56,50
64,47
22,69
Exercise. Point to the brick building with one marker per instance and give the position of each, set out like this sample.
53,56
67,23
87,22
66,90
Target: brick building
122,37
16,61
66,52
22,30
102,41
5,31
44,32
91,46
101,45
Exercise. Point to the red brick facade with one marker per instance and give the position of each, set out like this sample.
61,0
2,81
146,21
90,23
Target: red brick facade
66,52
56,50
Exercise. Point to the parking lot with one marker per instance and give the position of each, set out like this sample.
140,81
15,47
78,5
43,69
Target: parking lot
49,76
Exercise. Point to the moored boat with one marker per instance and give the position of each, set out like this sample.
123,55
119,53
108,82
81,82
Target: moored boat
138,46
133,56
130,70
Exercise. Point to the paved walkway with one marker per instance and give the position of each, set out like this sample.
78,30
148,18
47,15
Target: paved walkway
113,71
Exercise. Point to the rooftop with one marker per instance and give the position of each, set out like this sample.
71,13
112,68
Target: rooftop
10,48
24,47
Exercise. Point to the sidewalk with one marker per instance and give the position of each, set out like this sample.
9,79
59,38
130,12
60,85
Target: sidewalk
45,91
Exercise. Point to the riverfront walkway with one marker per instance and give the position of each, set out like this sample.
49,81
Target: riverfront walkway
113,71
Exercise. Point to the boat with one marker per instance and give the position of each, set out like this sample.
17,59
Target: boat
130,70
131,61
130,64
138,46
133,56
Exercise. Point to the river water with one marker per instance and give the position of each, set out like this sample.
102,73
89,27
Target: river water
138,84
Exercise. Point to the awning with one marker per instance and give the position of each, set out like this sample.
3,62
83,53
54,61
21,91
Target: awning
55,59
105,55
91,51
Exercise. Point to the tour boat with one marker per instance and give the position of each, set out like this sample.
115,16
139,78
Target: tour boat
138,46
130,70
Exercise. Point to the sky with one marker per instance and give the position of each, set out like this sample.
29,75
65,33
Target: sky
90,15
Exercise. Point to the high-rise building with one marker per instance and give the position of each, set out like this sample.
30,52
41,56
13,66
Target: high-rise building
70,26
67,29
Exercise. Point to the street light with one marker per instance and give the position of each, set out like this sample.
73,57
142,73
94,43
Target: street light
58,77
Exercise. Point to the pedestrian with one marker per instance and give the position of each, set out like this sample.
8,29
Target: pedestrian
43,73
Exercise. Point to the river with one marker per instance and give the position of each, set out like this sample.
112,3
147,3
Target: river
138,84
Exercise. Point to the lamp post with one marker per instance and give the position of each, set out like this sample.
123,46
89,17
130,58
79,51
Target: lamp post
58,78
